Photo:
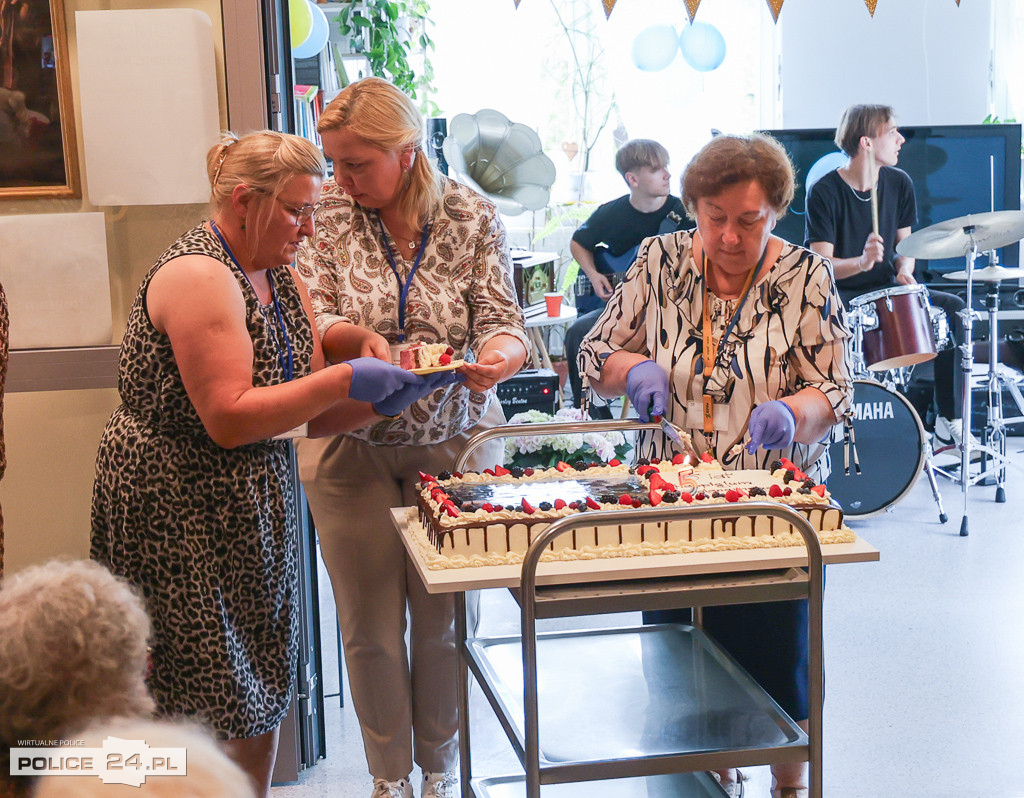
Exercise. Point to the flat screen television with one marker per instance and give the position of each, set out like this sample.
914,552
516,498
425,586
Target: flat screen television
956,169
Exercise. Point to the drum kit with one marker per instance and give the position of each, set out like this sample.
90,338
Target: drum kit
896,329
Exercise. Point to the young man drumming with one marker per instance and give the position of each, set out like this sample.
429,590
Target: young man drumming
839,227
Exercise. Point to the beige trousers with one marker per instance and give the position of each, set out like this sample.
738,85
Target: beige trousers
405,700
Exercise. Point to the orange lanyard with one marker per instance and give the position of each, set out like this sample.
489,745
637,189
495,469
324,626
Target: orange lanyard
709,352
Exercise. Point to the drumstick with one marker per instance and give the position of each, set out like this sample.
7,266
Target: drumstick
874,192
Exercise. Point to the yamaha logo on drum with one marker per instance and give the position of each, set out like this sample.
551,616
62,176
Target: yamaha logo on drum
882,418
872,411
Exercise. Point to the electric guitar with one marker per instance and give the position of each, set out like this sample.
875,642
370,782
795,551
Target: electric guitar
614,266
586,299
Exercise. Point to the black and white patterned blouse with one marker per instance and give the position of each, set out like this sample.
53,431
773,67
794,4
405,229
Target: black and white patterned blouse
791,334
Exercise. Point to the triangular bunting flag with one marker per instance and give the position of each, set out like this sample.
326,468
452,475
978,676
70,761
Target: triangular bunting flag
775,6
517,3
608,6
871,5
691,8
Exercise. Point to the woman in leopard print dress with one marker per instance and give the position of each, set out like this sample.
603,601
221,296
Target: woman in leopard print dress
219,359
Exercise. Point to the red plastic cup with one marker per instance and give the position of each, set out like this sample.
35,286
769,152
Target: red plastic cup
554,303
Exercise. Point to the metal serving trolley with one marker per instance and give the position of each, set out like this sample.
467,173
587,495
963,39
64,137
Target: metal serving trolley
641,711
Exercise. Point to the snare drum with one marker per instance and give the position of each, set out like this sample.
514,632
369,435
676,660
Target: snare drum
897,327
890,448
940,328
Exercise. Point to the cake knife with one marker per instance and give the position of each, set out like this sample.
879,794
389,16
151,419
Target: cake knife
677,435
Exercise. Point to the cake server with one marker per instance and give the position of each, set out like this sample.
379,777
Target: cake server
677,435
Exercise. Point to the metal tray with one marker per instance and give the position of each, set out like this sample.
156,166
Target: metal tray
676,785
616,699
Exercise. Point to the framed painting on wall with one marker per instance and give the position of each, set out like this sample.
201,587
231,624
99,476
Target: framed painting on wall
38,151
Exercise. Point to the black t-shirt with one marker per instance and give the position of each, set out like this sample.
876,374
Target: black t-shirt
841,216
620,226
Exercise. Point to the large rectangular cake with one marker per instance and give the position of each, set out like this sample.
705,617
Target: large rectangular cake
490,518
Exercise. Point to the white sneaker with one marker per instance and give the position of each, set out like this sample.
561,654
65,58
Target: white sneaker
949,433
391,789
440,785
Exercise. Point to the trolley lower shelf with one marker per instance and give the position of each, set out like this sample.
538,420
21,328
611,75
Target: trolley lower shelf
623,702
674,785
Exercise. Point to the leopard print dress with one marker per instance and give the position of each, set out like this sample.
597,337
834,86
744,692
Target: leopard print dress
205,532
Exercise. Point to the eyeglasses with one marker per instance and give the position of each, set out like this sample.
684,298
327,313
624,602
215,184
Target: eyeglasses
302,214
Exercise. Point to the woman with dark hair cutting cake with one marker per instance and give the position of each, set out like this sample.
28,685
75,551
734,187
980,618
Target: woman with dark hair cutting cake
739,337
401,255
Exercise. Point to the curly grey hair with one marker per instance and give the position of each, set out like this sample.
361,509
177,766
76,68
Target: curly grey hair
73,648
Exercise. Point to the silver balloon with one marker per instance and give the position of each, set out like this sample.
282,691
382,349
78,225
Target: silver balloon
503,160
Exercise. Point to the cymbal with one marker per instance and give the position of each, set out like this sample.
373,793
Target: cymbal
990,274
951,239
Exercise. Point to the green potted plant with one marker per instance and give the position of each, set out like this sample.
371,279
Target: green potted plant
388,33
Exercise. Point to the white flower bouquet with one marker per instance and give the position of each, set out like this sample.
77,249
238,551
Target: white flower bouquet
531,451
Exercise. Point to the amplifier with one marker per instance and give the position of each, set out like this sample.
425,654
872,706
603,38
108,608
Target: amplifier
530,389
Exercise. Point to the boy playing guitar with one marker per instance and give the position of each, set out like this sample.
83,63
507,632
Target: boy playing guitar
606,244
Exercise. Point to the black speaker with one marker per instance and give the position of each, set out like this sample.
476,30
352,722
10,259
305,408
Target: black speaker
530,389
437,131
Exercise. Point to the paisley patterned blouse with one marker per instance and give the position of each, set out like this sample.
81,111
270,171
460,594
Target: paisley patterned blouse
791,334
461,294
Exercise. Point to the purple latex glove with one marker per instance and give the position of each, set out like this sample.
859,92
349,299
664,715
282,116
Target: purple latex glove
394,404
373,379
772,425
647,389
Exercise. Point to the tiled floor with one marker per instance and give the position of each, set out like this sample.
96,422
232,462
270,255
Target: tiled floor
924,660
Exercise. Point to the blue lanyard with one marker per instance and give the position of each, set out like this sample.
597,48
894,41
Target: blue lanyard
287,362
403,288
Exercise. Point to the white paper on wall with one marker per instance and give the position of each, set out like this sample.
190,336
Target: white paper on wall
53,267
148,94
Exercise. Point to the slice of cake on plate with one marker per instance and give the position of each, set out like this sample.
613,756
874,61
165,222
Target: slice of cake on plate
426,356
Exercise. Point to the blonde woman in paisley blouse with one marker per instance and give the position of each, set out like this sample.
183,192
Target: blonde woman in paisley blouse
730,318
401,254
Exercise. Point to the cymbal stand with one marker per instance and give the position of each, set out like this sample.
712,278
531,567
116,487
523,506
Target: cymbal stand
995,422
967,367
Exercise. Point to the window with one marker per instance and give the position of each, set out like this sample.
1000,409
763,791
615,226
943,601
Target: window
518,61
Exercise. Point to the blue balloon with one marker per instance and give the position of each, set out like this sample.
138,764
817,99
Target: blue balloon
654,48
703,46
822,166
317,39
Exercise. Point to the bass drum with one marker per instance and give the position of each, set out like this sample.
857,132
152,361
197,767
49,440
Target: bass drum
890,448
